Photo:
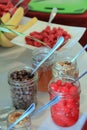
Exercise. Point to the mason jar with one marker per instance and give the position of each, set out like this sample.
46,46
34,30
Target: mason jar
65,66
66,112
23,86
24,124
45,71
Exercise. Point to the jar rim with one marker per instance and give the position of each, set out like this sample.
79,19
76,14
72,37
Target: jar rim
62,95
66,60
50,90
15,115
42,51
25,81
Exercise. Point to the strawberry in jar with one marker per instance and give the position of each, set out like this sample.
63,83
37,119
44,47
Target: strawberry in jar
66,112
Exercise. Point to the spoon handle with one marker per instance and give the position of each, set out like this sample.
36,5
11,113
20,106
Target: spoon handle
80,76
26,113
52,15
79,53
18,3
32,106
49,104
72,42
37,40
57,45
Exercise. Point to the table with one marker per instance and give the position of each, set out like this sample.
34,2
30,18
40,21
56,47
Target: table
13,56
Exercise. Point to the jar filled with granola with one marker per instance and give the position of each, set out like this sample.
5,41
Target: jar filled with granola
24,124
23,86
45,71
65,66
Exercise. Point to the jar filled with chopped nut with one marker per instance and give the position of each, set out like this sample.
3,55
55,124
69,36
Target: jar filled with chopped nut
24,124
65,66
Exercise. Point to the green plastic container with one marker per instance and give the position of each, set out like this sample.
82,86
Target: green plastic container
63,6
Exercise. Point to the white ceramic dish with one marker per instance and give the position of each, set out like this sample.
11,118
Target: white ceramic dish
75,32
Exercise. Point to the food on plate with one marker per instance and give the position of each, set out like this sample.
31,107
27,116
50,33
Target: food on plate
21,28
16,18
5,17
4,41
13,23
48,36
65,113
5,7
13,116
27,25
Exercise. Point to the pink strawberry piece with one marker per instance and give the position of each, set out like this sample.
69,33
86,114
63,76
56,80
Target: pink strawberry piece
74,90
54,87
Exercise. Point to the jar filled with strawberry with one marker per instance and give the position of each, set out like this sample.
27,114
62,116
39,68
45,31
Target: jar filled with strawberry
45,71
65,66
66,112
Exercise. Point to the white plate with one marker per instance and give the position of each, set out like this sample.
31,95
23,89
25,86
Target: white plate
75,32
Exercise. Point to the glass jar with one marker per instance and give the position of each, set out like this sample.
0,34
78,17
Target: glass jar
24,124
23,86
64,65
65,113
45,71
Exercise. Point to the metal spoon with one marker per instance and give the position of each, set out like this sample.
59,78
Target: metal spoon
57,45
52,15
72,42
49,104
79,53
18,3
80,76
26,113
37,40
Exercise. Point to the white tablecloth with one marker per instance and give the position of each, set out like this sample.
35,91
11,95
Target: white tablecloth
12,56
